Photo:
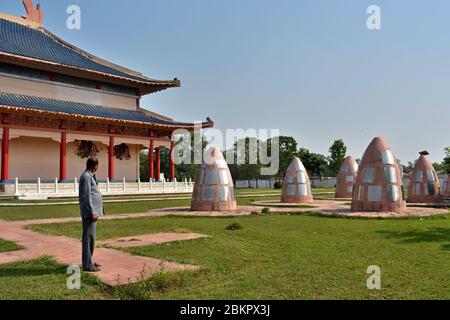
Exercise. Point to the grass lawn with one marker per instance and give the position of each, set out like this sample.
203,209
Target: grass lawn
44,279
7,246
61,211
289,257
16,213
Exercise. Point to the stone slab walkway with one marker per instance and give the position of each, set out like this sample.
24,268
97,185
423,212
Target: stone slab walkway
117,267
145,240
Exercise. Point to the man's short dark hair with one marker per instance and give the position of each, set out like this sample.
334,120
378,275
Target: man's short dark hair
91,163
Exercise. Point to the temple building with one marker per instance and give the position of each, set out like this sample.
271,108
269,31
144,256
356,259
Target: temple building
346,178
296,184
379,186
424,186
60,105
214,188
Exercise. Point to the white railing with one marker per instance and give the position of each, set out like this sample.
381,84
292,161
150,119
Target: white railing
44,190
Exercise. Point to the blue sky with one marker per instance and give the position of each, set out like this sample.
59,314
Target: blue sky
309,68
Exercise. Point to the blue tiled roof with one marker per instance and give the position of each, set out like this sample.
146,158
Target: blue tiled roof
74,108
25,41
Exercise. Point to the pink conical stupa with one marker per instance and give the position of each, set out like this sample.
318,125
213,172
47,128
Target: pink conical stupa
346,178
424,184
446,192
296,185
214,189
378,186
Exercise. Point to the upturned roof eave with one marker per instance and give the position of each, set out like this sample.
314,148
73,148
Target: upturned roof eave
143,87
106,120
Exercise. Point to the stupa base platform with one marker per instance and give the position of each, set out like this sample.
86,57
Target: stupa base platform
429,205
316,204
319,207
410,212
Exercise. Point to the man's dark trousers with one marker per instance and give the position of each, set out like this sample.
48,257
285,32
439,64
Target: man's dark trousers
89,233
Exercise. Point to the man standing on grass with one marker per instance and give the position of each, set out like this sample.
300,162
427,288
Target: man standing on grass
91,208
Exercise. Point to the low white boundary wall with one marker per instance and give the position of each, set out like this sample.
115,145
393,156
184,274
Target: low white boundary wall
38,190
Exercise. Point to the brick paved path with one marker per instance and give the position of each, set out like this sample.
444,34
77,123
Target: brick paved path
118,267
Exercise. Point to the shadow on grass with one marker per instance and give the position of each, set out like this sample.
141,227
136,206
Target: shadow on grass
40,267
430,235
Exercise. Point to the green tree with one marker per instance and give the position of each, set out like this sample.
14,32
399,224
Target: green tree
246,171
165,164
319,164
287,151
446,162
189,170
409,168
438,166
305,156
143,161
316,164
337,155
182,171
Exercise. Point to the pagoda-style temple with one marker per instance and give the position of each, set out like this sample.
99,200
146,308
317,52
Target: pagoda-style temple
424,186
60,105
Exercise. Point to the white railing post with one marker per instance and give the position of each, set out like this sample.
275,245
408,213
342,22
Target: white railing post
124,185
151,184
39,185
139,184
75,182
175,184
56,185
108,185
164,184
16,187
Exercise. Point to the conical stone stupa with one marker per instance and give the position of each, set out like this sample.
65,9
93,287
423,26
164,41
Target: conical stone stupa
424,184
346,178
296,185
378,186
446,192
214,189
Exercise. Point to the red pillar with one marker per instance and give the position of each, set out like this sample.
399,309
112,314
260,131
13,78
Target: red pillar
158,164
5,154
111,159
151,168
63,157
172,161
